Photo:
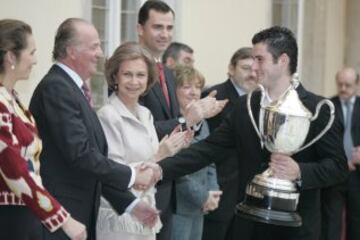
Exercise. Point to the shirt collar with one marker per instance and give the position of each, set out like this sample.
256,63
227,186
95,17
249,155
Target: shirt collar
238,89
73,75
351,101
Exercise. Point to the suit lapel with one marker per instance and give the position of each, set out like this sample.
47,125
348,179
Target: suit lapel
88,112
231,91
339,110
159,94
174,106
355,115
263,154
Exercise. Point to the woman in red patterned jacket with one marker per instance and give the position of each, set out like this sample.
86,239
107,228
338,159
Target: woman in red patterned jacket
23,199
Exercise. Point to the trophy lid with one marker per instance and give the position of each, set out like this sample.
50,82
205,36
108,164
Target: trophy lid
289,104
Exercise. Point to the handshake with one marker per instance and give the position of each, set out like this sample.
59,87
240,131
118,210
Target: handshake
147,175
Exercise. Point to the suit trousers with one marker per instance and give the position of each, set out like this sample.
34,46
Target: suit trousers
187,227
19,223
353,207
217,229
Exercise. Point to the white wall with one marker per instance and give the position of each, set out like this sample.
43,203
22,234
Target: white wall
216,29
44,16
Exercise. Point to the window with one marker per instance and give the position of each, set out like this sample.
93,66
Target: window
289,13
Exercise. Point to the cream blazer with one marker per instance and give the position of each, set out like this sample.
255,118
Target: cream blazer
131,140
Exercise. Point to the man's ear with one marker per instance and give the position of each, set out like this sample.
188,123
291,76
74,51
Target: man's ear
284,59
140,29
231,70
71,52
170,62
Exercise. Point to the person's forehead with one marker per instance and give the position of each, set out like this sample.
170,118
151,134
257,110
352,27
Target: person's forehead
157,16
260,48
245,61
184,53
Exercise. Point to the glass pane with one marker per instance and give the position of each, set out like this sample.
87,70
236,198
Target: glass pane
98,87
285,13
99,18
128,27
101,3
131,5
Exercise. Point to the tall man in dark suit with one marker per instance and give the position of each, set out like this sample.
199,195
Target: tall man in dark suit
155,29
241,80
75,167
322,164
346,195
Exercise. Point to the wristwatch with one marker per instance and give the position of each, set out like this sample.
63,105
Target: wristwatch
182,123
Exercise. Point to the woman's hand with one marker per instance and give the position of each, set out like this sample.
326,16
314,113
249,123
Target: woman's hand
172,144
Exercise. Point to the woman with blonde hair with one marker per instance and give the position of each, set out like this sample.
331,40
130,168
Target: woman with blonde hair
196,193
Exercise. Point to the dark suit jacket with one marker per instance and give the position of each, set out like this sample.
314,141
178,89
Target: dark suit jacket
165,121
74,163
227,174
321,165
355,127
335,197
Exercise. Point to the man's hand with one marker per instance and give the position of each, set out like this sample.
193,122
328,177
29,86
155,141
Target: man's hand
74,229
145,214
284,167
150,172
212,202
144,178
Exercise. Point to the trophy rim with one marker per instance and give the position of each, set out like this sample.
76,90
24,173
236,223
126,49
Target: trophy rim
268,216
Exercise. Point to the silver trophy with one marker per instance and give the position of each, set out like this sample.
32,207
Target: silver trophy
284,125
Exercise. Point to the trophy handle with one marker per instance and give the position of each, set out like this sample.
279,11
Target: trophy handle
248,103
331,120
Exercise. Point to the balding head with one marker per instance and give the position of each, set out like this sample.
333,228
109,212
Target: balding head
347,80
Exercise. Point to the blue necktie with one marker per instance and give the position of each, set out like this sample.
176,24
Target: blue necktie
348,143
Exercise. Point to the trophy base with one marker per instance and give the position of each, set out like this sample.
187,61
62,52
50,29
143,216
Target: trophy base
288,219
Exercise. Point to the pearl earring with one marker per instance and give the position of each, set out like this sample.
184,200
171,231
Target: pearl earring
12,67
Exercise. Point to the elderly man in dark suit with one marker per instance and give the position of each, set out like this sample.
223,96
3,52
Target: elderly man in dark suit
155,29
242,79
346,195
322,164
75,167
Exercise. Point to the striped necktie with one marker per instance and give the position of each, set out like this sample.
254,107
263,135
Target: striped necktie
87,94
348,143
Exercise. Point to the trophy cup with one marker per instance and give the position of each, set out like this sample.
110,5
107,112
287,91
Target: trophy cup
284,125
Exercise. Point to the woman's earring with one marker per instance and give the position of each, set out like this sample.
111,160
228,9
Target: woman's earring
116,86
12,67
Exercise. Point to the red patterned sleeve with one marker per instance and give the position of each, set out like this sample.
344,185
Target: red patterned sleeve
17,176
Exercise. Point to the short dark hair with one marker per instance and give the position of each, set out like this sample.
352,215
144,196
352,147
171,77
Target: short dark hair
242,53
65,37
156,5
279,40
174,49
13,37
125,52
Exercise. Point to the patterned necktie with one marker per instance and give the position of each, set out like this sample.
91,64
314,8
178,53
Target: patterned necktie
163,84
87,94
348,143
